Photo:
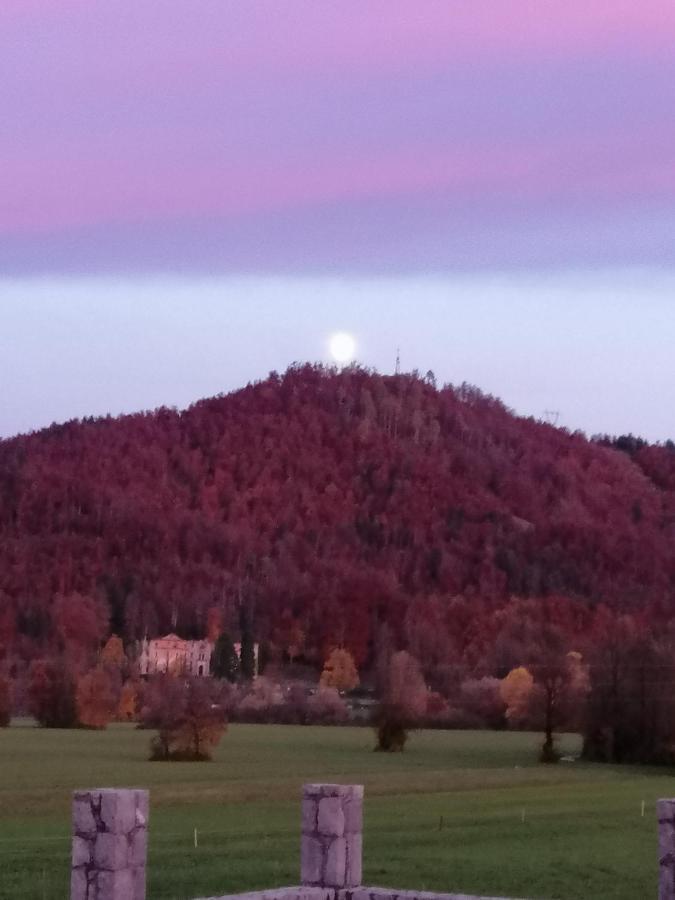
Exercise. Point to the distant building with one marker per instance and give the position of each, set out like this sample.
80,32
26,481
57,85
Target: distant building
173,654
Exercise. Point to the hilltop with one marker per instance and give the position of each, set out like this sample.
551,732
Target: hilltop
327,505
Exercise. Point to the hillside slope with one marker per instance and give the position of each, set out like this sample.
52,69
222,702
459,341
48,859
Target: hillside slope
324,504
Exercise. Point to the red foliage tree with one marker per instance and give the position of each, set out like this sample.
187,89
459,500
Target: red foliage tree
403,703
189,715
97,697
81,624
51,693
127,709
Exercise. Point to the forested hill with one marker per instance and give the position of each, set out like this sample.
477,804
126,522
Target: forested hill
324,504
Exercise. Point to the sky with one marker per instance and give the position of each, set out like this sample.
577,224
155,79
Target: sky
195,192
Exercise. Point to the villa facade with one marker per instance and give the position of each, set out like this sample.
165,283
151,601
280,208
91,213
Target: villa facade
175,655
180,657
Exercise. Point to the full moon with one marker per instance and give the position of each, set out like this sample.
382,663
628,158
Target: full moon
342,347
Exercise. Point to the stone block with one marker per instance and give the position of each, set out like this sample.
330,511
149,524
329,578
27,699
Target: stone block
311,860
309,815
84,822
138,848
359,894
331,817
115,885
78,884
354,871
118,811
353,810
336,864
138,878
81,852
111,851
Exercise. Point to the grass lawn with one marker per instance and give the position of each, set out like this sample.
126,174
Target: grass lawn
461,811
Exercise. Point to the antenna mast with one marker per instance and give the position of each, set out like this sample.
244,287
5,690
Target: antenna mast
398,360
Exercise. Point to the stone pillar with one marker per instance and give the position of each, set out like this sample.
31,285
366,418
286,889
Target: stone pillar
665,811
110,842
332,835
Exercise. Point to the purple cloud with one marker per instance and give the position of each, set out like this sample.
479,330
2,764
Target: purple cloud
407,123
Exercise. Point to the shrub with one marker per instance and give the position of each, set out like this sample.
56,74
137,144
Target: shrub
327,707
264,702
481,703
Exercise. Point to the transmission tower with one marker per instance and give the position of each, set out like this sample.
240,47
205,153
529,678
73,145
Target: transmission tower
552,416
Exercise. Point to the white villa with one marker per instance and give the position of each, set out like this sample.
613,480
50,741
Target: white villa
173,654
179,657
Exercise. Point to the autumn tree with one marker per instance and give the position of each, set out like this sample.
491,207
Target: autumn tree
558,684
214,624
339,671
202,723
97,698
51,693
190,717
290,636
295,641
113,655
127,709
403,703
427,636
81,623
384,650
516,693
163,698
5,702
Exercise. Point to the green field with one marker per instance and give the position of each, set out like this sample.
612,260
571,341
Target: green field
461,811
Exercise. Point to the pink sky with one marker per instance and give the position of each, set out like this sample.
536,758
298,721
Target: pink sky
293,126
